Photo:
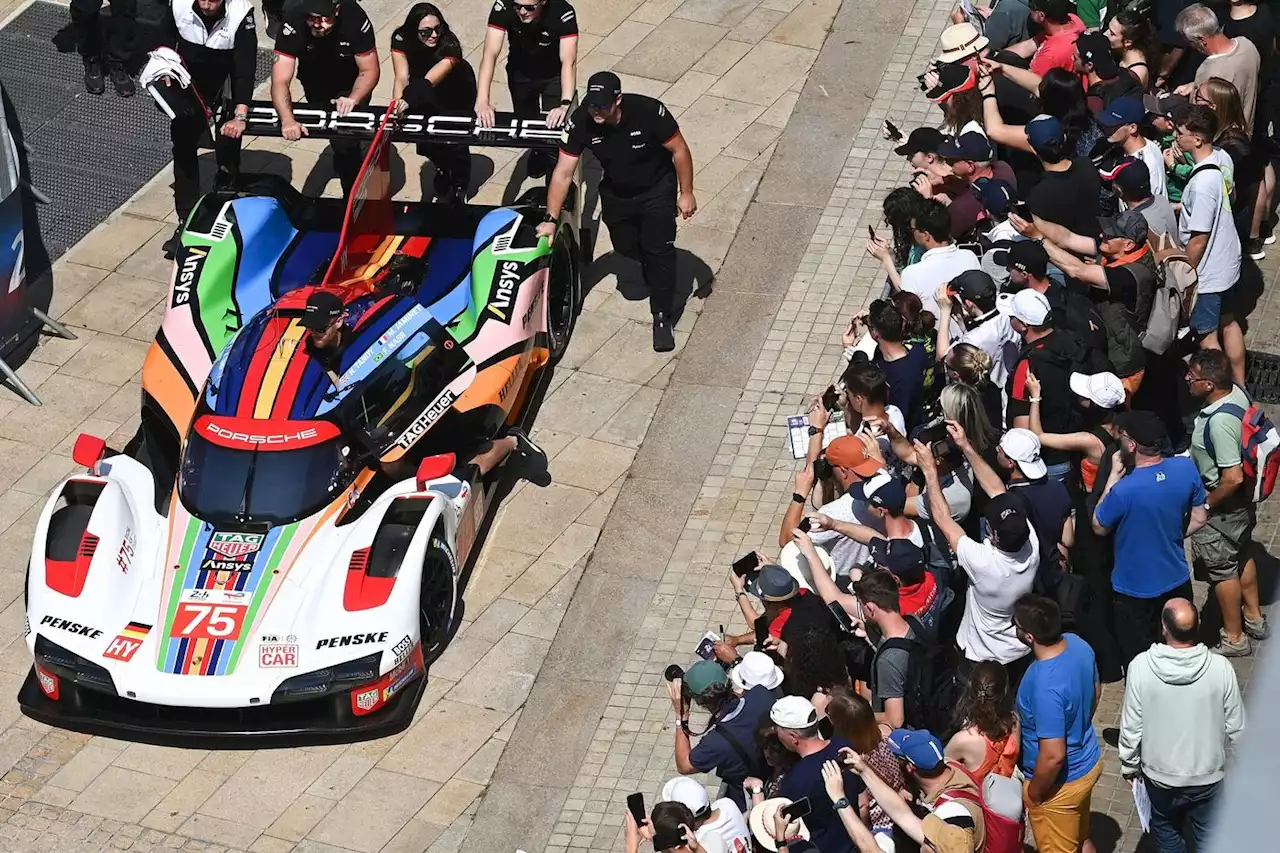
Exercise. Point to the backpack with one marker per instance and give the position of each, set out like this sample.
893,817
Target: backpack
1003,834
1124,348
1258,442
929,689
1174,298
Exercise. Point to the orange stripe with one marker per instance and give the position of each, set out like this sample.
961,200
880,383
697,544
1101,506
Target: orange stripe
281,358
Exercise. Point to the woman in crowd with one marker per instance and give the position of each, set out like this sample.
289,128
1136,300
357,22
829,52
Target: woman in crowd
970,365
852,718
1251,164
918,329
811,666
778,760
901,206
1061,96
987,736
1136,43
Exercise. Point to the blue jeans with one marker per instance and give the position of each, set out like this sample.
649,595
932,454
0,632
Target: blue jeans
1173,808
1059,471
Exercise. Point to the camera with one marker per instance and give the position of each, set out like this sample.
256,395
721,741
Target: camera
673,672
822,469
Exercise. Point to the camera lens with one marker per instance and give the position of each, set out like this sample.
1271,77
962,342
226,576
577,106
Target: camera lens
673,672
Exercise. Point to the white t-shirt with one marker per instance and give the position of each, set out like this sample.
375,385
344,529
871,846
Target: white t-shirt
1206,208
1153,156
845,552
993,334
711,841
730,828
958,490
997,581
935,267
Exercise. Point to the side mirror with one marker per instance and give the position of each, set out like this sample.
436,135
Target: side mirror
435,467
88,451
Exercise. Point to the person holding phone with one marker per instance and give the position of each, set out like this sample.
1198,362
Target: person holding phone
668,829
797,724
719,822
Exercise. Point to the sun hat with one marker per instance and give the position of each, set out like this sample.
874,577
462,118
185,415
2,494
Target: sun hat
761,822
774,583
756,670
960,41
1031,307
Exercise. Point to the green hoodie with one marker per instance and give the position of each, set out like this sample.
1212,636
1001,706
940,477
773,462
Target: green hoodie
1177,177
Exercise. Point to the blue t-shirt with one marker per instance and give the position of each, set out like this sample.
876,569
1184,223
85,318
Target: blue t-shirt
713,751
1055,700
805,780
1148,512
906,383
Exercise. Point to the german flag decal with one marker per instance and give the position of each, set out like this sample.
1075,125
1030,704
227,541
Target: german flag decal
127,642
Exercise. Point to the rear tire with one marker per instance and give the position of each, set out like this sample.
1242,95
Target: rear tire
438,599
564,294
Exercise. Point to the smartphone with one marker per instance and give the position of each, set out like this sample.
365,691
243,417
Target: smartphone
1022,210
871,232
830,399
635,805
891,129
803,526
746,564
706,646
800,808
842,616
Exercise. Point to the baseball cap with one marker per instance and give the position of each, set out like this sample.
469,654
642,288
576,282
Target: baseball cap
1095,49
688,792
322,309
922,140
774,583
1023,447
974,285
1126,110
1030,306
848,451
997,196
918,746
793,712
1129,224
1045,130
1104,390
704,675
1007,521
1028,256
952,79
756,670
603,89
1166,105
1132,178
883,490
967,146
1145,428
902,557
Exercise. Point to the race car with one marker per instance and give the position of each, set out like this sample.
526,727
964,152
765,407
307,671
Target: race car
275,557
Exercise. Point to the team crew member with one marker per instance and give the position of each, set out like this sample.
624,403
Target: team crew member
330,47
542,63
432,77
218,42
117,51
644,158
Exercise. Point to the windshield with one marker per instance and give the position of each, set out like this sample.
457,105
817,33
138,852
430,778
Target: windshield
274,486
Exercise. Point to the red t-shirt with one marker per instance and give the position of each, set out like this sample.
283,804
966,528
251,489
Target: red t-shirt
1058,50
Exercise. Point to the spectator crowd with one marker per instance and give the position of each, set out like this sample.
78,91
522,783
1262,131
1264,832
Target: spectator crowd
1041,433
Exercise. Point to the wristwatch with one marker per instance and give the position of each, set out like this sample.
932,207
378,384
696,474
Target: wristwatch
241,116
755,791
547,217
813,430
566,102
796,497
842,803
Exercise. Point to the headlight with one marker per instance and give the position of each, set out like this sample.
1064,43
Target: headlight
331,679
71,667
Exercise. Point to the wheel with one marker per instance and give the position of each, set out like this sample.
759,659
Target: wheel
565,294
438,599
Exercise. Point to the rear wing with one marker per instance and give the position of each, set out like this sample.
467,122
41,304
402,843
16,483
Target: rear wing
364,121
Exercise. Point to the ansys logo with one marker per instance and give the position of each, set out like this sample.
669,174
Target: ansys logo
189,274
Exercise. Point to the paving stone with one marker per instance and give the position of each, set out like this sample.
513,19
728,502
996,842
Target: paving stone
375,810
106,359
122,794
111,243
807,25
584,403
670,50
260,791
443,740
504,676
765,72
712,123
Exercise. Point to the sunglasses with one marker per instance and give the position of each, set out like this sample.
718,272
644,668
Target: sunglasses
321,19
428,32
527,8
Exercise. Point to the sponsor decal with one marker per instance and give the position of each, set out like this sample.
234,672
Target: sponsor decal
71,627
189,274
415,430
366,639
388,685
407,674
230,436
508,281
278,655
225,566
533,306
276,638
198,621
235,545
127,642
366,700
401,649
48,682
412,126
125,556
215,596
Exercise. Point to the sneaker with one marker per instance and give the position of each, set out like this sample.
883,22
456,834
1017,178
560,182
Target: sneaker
1254,248
533,465
122,82
1268,231
1238,649
664,338
1259,630
94,83
174,243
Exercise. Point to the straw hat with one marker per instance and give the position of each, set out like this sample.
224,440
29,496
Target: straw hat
960,41
761,821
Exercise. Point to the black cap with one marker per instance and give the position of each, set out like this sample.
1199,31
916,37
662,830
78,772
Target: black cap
324,8
1128,224
1008,522
323,308
1095,49
902,557
1143,427
974,285
1028,256
922,140
953,77
603,89
997,196
1132,178
967,146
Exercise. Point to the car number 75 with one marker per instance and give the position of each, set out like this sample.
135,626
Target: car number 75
208,621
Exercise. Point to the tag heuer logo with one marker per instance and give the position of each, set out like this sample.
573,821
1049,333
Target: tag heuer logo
367,700
235,545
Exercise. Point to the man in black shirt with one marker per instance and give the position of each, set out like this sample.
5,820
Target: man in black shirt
331,48
327,332
645,159
218,42
87,26
542,63
1068,192
1104,80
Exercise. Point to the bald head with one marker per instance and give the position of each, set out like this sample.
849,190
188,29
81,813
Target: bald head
1181,622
